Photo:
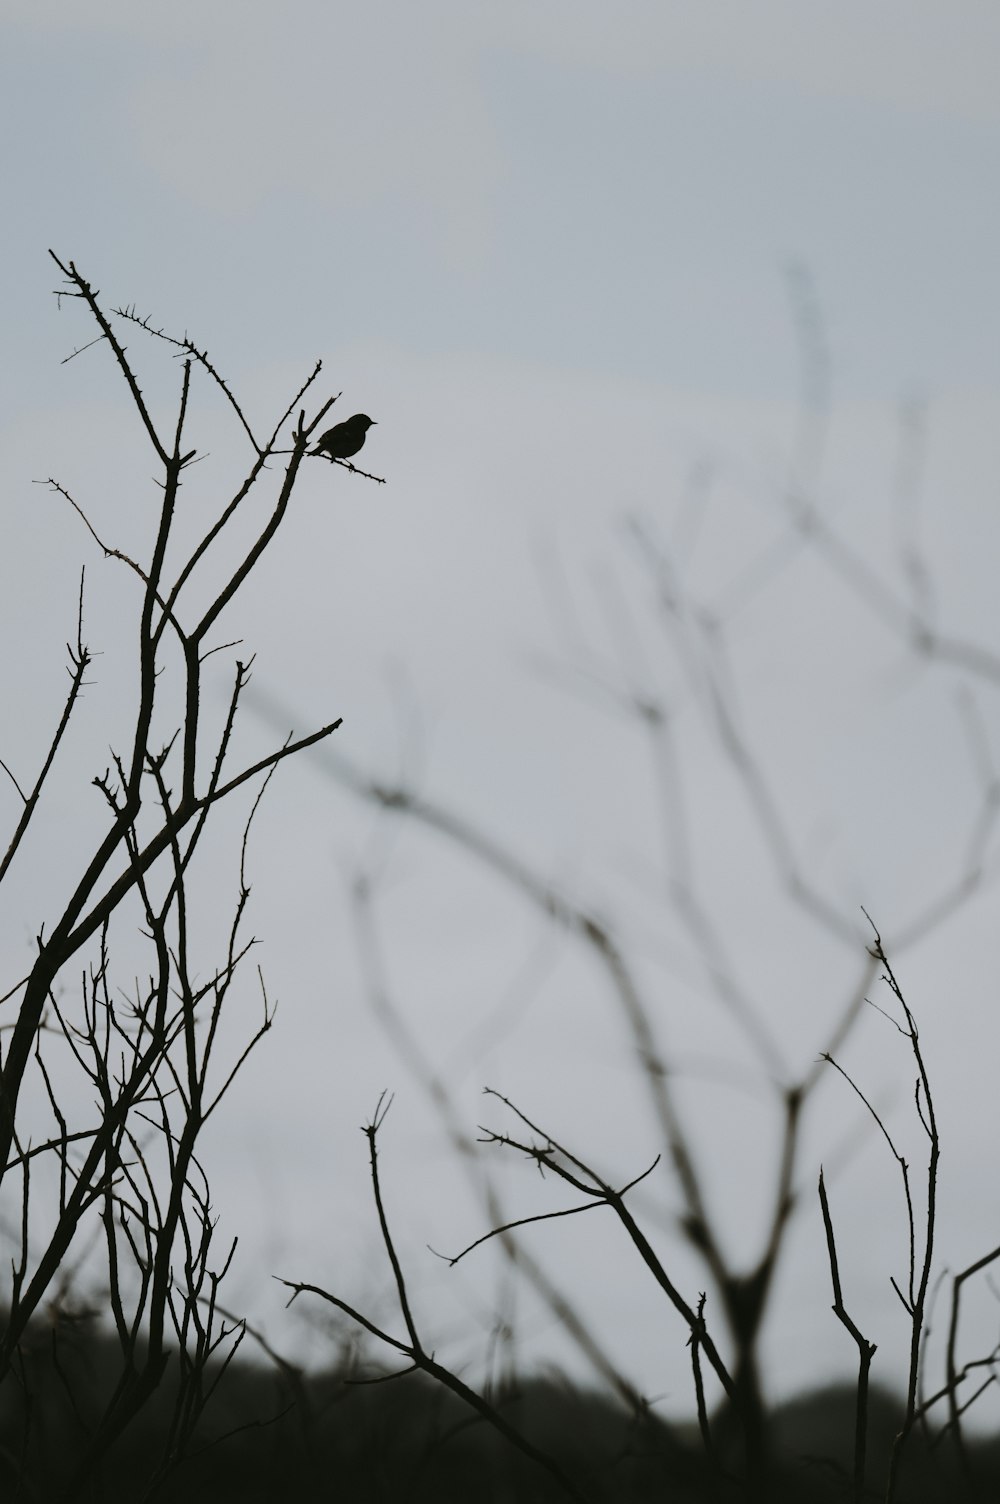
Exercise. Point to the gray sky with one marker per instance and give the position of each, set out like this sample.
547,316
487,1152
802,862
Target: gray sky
546,246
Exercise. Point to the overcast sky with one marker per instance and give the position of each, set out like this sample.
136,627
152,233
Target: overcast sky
564,254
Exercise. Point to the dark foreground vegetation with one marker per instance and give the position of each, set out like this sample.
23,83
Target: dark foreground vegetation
114,1054
271,1433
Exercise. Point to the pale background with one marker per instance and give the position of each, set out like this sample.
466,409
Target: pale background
547,246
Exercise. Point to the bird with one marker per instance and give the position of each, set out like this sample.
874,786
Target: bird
344,439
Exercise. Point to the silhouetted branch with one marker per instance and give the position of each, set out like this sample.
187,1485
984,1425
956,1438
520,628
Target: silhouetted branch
79,663
413,1349
866,1350
130,1189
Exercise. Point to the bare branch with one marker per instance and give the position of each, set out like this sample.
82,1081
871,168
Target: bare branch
866,1350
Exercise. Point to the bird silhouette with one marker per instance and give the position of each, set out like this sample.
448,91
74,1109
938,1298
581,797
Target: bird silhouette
344,439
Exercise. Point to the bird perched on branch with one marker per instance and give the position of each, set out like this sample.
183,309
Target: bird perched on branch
344,439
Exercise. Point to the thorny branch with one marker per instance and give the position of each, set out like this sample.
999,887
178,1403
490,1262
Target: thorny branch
148,1057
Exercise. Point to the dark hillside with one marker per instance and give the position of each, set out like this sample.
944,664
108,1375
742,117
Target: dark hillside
269,1435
